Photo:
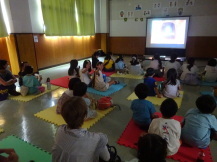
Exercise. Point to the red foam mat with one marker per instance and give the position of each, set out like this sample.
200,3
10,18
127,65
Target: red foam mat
159,79
62,82
132,132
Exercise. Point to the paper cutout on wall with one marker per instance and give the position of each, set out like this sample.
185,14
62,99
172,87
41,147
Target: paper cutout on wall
165,11
141,19
121,14
173,3
180,11
136,19
138,7
147,13
156,5
125,19
189,2
130,14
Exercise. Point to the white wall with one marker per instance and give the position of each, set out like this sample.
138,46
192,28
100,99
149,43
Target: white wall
203,16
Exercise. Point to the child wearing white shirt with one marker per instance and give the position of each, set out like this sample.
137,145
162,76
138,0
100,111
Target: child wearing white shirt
210,71
169,129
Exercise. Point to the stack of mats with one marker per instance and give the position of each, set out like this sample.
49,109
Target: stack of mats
31,97
158,101
132,132
25,151
51,116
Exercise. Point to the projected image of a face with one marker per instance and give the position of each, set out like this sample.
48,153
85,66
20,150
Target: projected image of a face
168,30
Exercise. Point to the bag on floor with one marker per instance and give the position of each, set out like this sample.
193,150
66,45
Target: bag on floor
24,90
113,155
104,103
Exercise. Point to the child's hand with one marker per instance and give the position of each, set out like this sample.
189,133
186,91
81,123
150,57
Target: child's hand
159,96
155,116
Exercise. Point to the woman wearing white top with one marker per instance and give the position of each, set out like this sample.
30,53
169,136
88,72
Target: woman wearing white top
210,71
189,70
84,75
172,64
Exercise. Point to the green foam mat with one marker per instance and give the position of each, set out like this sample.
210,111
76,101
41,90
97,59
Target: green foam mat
25,150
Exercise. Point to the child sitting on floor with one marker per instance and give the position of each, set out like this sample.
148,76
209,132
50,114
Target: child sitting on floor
169,129
143,110
135,67
98,81
73,143
73,71
67,94
85,76
156,64
151,148
200,126
120,65
109,64
30,81
151,83
80,89
172,84
210,71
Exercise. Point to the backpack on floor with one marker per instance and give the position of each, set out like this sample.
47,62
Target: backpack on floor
114,157
104,103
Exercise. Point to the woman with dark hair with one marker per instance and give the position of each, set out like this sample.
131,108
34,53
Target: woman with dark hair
109,63
7,78
73,71
189,72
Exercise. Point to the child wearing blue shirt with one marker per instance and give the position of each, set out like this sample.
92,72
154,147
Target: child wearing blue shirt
143,110
200,126
151,83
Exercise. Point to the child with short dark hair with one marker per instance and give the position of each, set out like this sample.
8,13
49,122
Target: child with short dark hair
200,126
30,81
172,84
73,143
80,89
67,94
151,148
143,110
169,129
151,82
156,64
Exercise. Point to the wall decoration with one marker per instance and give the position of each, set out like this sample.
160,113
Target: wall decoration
173,3
138,7
180,11
141,19
156,5
189,2
125,19
136,19
147,13
165,11
130,14
121,14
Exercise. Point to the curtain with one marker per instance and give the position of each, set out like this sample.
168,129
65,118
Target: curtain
85,15
68,17
3,30
59,17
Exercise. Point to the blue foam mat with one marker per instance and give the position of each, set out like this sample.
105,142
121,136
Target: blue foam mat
208,84
112,89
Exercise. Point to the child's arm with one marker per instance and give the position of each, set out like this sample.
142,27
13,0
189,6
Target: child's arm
84,70
7,83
